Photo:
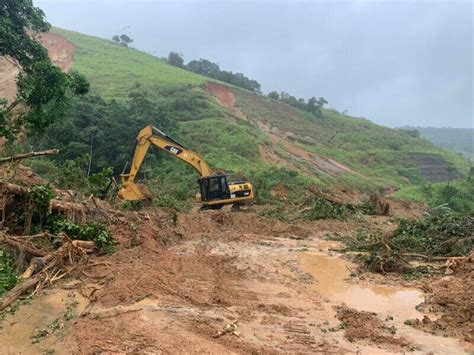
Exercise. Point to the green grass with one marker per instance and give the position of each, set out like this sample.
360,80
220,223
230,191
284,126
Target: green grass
113,69
379,156
457,195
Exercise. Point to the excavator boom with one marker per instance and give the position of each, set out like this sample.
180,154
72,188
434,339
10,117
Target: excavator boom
214,188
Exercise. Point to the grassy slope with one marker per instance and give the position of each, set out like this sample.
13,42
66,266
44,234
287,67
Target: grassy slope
113,70
380,153
460,140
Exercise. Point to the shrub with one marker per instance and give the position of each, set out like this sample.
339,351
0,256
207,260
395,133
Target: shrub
95,232
8,276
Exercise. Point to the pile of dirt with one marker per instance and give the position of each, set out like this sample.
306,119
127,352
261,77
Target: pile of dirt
361,325
451,299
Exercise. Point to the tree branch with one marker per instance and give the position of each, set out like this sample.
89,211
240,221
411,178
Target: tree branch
29,155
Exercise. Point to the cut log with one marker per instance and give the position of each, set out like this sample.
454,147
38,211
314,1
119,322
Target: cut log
37,264
13,189
55,205
19,289
27,247
61,206
29,155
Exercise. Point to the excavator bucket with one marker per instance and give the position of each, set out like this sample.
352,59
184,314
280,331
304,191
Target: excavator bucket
134,192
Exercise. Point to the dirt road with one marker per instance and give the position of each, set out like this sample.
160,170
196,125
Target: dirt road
219,282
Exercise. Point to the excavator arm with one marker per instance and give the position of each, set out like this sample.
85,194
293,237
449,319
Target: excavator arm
153,136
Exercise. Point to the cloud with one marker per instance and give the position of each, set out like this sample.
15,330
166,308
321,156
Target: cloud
396,63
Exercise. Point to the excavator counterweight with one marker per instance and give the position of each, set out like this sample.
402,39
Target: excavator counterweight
214,189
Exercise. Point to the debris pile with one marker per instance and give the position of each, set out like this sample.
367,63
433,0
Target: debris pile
48,234
437,242
361,325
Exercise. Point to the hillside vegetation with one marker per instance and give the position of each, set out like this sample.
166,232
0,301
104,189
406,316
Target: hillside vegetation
460,140
237,131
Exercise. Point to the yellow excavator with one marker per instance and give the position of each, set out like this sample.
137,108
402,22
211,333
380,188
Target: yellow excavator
215,190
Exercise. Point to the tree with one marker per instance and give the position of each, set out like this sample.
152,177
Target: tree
125,40
274,95
204,67
175,59
122,40
44,91
315,105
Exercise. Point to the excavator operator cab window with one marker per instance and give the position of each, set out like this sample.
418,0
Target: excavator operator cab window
214,188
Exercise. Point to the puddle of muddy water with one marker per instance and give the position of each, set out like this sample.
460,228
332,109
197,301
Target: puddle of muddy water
333,285
331,274
49,311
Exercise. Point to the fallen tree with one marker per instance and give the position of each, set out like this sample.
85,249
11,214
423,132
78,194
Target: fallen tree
29,155
61,242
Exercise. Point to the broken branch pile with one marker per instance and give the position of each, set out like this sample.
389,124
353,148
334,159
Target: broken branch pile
45,267
446,237
60,244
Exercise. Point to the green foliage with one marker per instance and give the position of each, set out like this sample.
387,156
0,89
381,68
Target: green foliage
8,276
37,202
411,132
175,59
324,209
122,40
42,87
39,197
458,194
265,180
274,95
95,232
442,233
313,105
109,128
212,70
16,17
455,139
438,234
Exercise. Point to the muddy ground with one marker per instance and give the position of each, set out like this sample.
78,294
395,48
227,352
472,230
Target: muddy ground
222,282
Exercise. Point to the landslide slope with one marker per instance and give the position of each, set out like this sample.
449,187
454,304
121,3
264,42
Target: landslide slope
249,134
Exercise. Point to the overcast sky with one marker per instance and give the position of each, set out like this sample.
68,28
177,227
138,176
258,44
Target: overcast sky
397,63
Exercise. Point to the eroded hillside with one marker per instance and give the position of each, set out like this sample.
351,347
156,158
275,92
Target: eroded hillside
239,131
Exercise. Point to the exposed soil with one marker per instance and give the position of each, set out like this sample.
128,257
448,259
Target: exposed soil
60,50
309,162
433,168
234,282
450,304
223,95
223,282
8,73
361,325
312,162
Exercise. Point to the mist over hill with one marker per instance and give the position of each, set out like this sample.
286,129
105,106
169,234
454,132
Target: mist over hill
460,140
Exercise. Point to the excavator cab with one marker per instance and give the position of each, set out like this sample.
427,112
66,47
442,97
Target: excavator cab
214,187
216,190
